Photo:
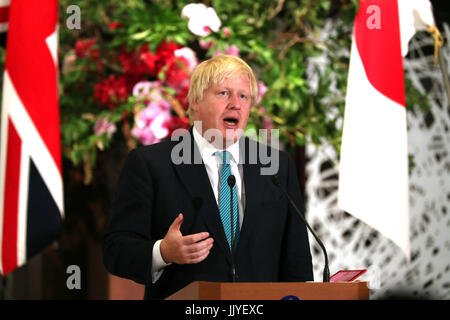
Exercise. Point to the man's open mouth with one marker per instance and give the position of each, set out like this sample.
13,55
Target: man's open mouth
231,122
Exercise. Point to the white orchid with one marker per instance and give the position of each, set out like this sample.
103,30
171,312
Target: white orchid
202,19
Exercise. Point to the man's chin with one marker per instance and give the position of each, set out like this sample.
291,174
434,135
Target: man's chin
228,139
232,136
224,137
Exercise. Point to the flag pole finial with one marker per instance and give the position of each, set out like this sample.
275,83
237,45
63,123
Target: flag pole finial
438,40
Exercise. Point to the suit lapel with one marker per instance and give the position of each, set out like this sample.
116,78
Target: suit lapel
194,177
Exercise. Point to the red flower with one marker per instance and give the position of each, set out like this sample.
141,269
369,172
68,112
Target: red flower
138,63
177,73
83,48
182,96
176,68
111,91
114,25
176,122
165,54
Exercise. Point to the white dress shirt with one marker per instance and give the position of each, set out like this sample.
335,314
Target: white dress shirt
213,164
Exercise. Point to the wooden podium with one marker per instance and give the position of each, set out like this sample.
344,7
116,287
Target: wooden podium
202,290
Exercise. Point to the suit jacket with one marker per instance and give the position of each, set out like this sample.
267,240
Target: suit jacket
152,190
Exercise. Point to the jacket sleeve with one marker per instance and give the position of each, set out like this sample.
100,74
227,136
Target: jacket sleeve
127,243
296,260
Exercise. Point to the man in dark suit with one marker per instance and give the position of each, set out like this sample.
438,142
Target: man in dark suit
172,220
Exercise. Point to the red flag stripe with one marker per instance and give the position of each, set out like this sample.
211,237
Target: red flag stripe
373,168
32,68
36,147
380,49
11,205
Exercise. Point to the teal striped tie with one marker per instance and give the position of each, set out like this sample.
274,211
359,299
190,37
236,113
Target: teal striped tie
224,201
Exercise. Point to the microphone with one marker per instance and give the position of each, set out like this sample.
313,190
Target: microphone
231,182
326,270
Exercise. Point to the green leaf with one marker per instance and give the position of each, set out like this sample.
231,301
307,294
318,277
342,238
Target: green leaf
140,35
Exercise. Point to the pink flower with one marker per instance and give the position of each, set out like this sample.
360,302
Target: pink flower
262,89
104,126
149,132
202,19
142,88
147,115
205,44
233,50
189,55
150,123
150,126
227,32
150,93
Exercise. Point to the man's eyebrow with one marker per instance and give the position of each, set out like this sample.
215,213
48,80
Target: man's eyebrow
237,89
220,87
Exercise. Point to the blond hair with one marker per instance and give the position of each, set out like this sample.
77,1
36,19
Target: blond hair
215,71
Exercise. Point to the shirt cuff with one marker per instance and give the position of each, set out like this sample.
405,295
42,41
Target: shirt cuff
158,263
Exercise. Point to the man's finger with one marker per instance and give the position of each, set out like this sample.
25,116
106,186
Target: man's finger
200,258
200,251
176,224
192,248
196,237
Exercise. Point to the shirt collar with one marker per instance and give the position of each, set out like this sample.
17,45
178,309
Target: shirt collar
207,150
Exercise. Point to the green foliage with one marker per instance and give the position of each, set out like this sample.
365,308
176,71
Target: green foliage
275,37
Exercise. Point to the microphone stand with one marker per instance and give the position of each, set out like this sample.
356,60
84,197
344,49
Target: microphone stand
326,270
231,182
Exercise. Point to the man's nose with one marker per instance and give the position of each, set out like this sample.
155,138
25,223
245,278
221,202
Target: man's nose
235,102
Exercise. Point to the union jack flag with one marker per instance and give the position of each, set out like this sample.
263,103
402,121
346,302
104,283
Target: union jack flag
31,188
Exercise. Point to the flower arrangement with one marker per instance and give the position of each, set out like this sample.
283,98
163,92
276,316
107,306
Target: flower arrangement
124,74
127,69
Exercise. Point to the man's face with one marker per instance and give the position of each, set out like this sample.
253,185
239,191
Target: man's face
225,107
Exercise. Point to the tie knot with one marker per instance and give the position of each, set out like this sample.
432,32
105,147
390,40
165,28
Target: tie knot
225,155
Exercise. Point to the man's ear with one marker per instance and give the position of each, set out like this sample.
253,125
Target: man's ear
194,106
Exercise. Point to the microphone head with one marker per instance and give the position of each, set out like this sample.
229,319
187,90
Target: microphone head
276,180
231,181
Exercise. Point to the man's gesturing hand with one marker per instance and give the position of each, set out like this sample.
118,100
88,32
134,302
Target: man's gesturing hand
180,249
